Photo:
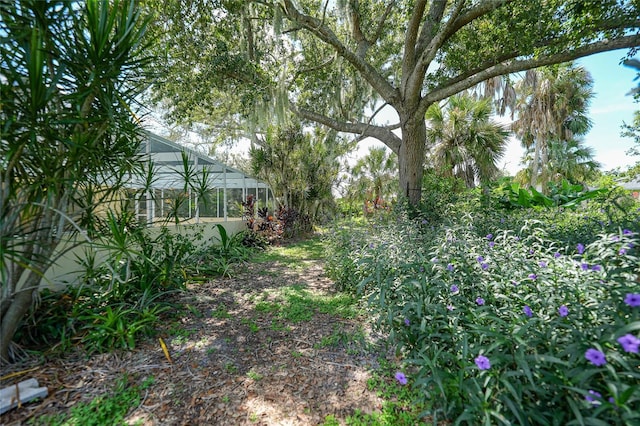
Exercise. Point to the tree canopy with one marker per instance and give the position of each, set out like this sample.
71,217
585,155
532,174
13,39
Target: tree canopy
337,62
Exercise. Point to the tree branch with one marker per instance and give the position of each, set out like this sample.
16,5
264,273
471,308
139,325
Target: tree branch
324,33
382,133
411,35
381,22
458,84
427,53
434,17
453,25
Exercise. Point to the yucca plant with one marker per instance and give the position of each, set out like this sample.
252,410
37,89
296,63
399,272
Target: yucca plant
70,72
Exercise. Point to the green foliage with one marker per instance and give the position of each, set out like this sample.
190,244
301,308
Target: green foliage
438,195
118,327
449,295
371,182
301,168
552,104
101,410
70,71
296,304
120,300
218,259
466,142
511,195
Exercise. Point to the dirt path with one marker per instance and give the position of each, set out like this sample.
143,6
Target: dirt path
273,345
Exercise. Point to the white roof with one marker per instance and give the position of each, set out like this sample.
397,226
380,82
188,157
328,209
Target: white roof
633,184
168,164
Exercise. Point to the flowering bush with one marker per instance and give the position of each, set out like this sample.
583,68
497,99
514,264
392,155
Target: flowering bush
512,327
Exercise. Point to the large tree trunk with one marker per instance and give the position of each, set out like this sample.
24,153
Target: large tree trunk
411,158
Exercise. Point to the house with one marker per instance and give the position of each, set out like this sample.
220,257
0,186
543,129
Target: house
213,197
633,186
215,192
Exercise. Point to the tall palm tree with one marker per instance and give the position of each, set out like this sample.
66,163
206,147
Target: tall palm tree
551,105
465,141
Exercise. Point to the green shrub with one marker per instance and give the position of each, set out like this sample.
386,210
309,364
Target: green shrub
452,295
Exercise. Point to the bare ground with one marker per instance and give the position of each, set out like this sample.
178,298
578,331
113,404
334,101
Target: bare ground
231,364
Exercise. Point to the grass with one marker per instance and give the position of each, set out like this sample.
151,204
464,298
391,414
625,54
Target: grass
296,304
255,376
294,255
221,312
102,410
355,341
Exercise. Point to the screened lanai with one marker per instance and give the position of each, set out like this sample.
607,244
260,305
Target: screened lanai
190,187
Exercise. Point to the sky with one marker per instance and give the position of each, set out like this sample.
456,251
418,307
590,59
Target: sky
609,109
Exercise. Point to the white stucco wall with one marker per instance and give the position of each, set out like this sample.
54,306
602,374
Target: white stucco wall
68,268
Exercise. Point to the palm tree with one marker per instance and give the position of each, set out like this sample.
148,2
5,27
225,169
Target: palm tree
551,105
569,160
301,167
466,142
375,173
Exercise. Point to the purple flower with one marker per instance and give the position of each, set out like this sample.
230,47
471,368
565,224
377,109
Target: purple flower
424,221
556,255
489,236
626,232
563,311
450,307
595,357
406,321
514,282
484,265
370,245
491,244
584,266
401,378
580,248
615,238
527,311
596,268
480,301
480,259
632,299
422,269
454,288
591,397
630,343
622,251
542,264
533,276
449,267
531,251
482,362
